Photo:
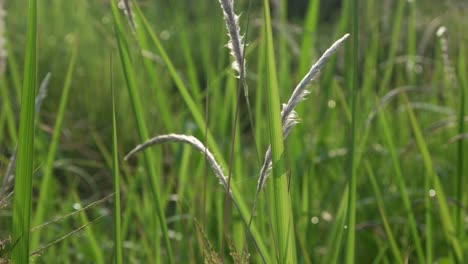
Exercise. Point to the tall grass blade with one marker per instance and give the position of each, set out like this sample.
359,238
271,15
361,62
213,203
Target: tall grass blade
141,126
8,177
446,219
463,83
24,166
401,186
279,198
198,118
352,83
45,186
392,51
380,204
116,176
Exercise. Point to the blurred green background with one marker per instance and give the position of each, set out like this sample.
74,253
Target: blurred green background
399,48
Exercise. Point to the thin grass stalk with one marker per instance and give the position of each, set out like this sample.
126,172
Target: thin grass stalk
411,74
7,109
310,31
411,64
91,235
402,186
463,84
328,80
14,72
444,213
141,127
280,200
392,51
116,176
24,168
47,180
9,175
380,204
337,230
352,83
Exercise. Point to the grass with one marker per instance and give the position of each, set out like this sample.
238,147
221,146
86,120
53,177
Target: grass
24,164
372,173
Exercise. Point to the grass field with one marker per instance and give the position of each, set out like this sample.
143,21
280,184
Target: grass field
368,165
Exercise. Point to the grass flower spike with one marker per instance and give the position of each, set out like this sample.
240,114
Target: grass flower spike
288,115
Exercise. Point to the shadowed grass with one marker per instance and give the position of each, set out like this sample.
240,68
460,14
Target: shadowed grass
141,127
47,180
444,213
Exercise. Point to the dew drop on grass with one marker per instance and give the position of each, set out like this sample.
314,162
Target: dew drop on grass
314,220
165,35
77,206
331,104
327,216
432,193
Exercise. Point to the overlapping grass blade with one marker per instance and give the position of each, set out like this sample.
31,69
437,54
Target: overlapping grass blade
444,213
141,126
24,166
279,198
380,204
198,118
401,186
46,183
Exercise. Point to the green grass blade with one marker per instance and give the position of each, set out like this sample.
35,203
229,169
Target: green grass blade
91,234
401,185
45,186
141,126
392,51
383,215
411,42
336,235
352,83
280,200
447,225
462,71
24,166
308,40
7,111
198,118
115,171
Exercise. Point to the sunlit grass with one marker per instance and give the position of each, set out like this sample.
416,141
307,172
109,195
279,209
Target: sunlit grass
372,173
